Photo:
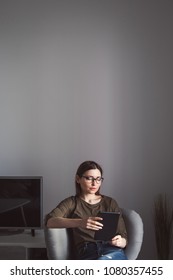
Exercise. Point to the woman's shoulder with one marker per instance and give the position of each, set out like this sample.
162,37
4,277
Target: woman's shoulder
69,200
67,204
109,200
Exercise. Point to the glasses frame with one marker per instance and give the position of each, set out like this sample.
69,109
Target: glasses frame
92,179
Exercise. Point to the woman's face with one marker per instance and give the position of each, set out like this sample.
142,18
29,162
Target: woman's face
90,182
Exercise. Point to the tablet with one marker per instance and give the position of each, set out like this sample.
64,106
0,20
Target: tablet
110,224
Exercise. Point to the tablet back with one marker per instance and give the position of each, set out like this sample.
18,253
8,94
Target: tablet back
110,223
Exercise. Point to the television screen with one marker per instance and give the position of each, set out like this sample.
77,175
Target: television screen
20,202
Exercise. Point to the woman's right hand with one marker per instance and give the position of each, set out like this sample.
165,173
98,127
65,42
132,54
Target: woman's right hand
91,223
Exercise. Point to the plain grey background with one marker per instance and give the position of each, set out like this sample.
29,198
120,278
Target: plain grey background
89,80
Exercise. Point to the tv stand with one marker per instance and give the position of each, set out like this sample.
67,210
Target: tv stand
6,232
31,243
33,232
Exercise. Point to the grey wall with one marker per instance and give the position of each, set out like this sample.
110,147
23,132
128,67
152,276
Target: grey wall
86,80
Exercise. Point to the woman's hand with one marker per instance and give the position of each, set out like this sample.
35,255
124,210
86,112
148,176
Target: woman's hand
118,241
91,223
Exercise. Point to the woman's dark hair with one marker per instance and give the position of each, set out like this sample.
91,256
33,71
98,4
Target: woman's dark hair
83,167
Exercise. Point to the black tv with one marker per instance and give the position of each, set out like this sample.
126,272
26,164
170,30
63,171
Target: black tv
20,203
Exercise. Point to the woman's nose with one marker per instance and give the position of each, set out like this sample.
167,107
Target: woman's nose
93,182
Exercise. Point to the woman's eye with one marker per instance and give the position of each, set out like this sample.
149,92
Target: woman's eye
89,178
99,179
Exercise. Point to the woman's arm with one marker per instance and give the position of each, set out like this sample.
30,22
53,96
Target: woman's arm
89,223
59,222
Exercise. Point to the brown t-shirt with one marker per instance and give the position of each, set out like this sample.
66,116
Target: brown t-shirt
75,207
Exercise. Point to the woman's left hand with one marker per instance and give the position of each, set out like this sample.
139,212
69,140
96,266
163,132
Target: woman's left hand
118,241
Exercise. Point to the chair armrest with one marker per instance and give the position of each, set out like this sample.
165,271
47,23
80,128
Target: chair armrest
57,243
135,231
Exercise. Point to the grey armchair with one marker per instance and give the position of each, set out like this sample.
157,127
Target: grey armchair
59,244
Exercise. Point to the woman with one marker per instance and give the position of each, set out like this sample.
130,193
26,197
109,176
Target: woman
80,212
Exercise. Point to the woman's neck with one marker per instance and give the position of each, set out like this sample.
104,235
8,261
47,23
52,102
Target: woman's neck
91,198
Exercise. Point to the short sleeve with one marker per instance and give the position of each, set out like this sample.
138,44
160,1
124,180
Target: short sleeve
64,209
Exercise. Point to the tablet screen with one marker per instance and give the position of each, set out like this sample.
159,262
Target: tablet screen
110,223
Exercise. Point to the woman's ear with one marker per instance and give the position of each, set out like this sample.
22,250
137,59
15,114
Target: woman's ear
78,179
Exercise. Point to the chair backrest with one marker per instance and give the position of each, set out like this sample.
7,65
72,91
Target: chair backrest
135,232
58,241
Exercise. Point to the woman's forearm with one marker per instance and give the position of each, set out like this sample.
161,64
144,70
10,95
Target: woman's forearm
63,223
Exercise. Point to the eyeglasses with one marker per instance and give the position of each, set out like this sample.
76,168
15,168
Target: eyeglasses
92,179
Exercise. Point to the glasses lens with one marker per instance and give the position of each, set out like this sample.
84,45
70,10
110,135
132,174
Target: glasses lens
98,179
88,178
92,179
